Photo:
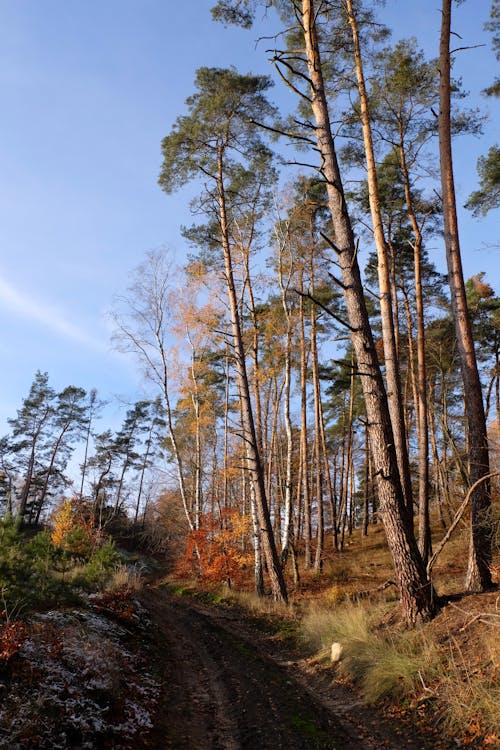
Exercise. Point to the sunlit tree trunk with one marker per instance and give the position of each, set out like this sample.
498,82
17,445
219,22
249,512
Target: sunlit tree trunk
254,349
258,568
478,576
329,482
415,590
394,391
225,479
424,528
366,490
317,462
250,437
195,400
287,530
304,443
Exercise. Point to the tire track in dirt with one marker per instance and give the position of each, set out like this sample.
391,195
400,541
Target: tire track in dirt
220,692
224,690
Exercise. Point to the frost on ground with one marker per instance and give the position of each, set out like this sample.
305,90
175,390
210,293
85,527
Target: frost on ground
80,680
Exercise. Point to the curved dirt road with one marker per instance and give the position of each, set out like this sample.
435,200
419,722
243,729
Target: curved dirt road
224,689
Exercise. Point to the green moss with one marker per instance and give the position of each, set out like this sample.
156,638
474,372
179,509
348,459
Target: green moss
314,737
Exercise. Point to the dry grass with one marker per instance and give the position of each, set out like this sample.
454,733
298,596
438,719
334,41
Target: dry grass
383,662
468,688
125,577
452,663
470,700
427,662
255,605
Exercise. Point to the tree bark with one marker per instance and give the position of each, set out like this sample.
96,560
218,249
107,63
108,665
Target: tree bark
250,438
320,530
415,589
478,576
195,400
424,527
287,530
394,391
304,448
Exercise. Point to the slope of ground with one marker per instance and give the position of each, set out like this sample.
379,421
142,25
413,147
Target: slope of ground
170,672
176,674
229,682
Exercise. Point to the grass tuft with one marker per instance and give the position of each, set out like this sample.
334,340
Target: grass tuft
391,663
383,663
258,605
471,696
125,577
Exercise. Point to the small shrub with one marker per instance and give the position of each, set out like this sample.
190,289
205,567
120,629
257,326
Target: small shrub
12,636
119,603
74,532
333,595
41,551
100,567
14,568
213,552
342,573
26,568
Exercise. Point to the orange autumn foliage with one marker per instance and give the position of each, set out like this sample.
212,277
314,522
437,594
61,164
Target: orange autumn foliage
12,636
215,552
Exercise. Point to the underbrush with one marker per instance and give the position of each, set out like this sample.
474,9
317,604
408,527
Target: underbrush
470,692
383,662
423,665
70,674
81,680
258,605
36,573
446,670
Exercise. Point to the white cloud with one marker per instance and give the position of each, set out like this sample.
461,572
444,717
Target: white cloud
23,304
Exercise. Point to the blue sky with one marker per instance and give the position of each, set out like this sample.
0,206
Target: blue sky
88,89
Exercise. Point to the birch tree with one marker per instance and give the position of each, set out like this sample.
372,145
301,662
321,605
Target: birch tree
142,328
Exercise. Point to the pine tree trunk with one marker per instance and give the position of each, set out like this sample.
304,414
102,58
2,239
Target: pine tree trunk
424,526
275,572
304,450
142,474
394,391
195,400
320,533
415,590
367,486
255,352
286,537
478,576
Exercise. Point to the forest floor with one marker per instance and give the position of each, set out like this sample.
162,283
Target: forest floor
232,682
166,669
178,667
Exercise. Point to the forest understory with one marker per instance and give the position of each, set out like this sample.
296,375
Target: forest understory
165,663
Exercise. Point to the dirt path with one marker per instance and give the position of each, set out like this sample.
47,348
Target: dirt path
228,686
